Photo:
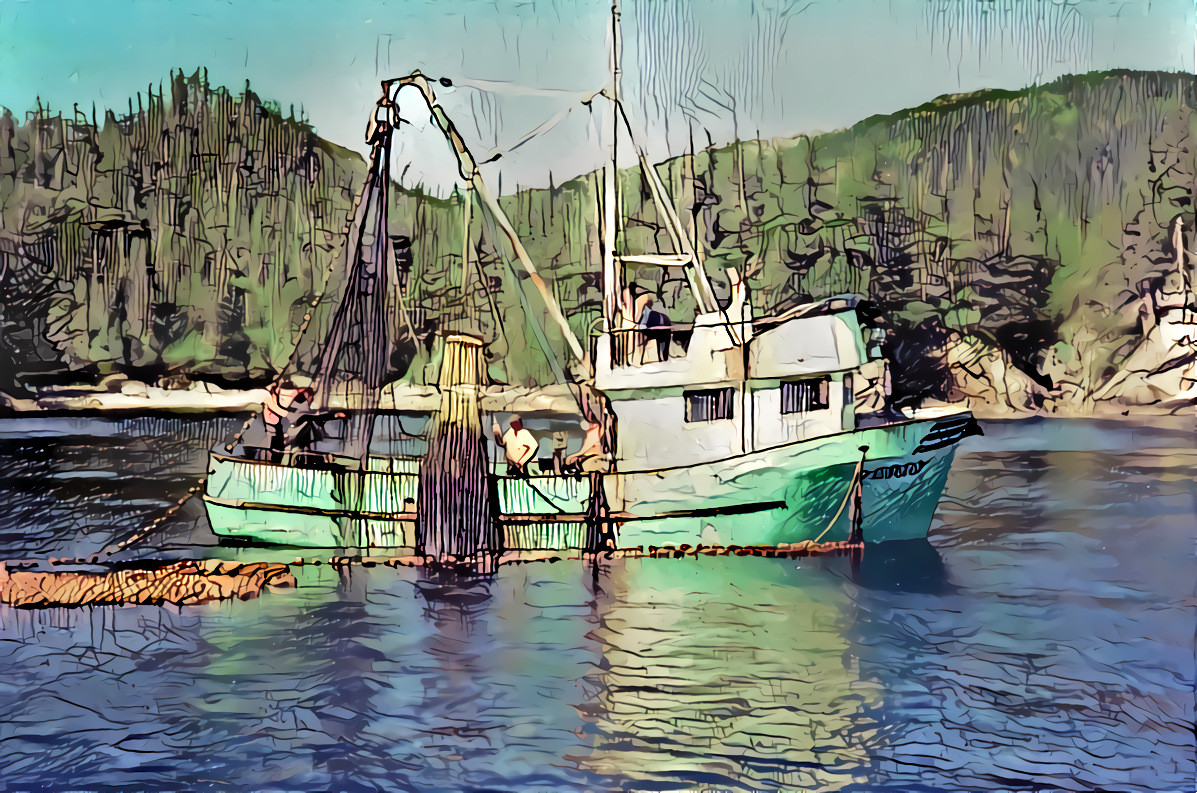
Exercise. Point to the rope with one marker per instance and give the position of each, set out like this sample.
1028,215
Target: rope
537,329
490,299
108,551
547,126
542,494
844,503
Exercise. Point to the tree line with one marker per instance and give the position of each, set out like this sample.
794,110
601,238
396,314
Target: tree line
195,235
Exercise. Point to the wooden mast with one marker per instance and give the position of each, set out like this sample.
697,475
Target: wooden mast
686,254
612,280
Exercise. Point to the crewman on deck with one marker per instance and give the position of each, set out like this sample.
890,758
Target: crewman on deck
283,399
518,444
560,444
634,301
654,327
592,456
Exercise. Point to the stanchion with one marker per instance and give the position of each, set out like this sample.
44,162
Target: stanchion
855,505
599,534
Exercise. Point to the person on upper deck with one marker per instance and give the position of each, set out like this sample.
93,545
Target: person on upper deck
655,328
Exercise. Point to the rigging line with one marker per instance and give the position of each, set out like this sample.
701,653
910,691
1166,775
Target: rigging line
560,509
466,205
672,223
374,361
495,213
353,247
310,313
347,313
540,129
468,168
404,314
391,271
490,298
537,330
513,89
702,286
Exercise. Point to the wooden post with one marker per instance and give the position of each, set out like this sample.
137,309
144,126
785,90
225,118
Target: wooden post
855,506
599,536
455,509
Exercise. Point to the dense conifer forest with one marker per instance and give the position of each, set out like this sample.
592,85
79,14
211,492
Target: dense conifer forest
1022,232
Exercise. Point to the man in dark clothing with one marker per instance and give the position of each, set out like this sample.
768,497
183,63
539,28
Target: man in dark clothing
655,327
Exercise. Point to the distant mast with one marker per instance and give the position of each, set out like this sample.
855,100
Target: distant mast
1178,242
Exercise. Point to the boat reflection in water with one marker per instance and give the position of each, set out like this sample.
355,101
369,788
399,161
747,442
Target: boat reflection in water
727,672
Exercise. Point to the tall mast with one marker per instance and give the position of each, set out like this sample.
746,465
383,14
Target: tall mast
612,263
611,273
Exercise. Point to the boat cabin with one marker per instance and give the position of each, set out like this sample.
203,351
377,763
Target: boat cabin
730,388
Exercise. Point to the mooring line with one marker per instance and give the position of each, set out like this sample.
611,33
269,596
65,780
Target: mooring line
844,502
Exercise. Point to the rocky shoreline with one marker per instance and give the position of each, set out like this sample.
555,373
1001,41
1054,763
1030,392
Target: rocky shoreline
134,397
131,397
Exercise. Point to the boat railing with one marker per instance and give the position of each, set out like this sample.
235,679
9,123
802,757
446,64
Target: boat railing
317,460
638,346
828,305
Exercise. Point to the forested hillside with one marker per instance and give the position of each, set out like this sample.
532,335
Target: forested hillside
1015,236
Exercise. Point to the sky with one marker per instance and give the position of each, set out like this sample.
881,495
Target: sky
723,67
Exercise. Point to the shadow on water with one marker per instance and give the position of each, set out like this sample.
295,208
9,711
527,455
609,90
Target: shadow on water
448,588
900,566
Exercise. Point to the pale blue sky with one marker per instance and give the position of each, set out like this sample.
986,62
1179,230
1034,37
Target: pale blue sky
827,63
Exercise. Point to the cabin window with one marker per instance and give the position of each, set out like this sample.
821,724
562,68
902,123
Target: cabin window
803,396
710,405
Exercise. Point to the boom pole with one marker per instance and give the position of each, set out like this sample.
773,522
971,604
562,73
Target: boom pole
468,168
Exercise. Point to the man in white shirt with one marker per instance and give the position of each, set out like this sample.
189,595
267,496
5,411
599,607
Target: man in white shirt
519,446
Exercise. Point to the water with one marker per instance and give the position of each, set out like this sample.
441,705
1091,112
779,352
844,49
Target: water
1043,639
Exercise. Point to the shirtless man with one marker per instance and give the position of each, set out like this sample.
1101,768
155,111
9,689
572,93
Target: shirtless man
283,399
518,444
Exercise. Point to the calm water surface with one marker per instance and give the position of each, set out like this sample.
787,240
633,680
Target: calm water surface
1043,639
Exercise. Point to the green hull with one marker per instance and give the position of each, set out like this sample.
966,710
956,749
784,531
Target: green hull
799,489
768,498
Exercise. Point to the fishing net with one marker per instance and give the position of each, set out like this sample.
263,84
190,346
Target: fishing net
456,505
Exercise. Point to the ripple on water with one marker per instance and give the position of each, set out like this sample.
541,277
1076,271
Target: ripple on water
1043,639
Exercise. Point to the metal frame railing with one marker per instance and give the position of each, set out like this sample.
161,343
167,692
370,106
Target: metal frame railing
630,346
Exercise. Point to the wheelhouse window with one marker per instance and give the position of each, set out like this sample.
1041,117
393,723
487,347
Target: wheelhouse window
709,405
803,396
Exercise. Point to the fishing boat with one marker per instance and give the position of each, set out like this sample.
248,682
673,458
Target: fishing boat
725,431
